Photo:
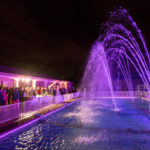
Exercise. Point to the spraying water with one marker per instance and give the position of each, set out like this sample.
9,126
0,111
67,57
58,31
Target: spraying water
121,49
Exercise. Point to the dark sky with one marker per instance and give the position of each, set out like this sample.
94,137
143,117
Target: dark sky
54,37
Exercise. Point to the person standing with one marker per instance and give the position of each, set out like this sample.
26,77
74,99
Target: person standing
9,93
54,91
21,95
15,96
21,98
1,96
4,96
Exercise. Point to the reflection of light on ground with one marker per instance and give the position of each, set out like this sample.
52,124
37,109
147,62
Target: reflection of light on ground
32,113
27,115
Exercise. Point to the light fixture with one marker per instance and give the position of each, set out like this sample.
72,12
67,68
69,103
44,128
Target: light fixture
27,79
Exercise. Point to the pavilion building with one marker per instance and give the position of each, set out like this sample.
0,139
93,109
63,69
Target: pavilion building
18,79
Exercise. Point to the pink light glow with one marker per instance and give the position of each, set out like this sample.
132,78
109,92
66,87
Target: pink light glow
12,80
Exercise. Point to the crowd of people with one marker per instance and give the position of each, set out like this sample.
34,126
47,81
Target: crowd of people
16,95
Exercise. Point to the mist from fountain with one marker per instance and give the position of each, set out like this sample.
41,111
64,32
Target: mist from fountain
120,49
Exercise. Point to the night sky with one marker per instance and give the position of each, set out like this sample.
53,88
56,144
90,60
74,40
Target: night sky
54,38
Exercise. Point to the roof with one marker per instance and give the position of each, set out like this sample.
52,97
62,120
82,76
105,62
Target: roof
12,71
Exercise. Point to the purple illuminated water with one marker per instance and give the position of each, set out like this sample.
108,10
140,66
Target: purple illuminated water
120,52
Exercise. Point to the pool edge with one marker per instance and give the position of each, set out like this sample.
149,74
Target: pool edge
7,133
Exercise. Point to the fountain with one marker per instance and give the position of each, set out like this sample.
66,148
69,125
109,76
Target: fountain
120,49
120,53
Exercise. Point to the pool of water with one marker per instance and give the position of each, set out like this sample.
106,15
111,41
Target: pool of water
91,125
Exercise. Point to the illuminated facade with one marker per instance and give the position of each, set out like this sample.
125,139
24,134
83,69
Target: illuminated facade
17,80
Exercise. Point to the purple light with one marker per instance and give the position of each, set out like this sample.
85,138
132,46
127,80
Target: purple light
34,121
119,50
